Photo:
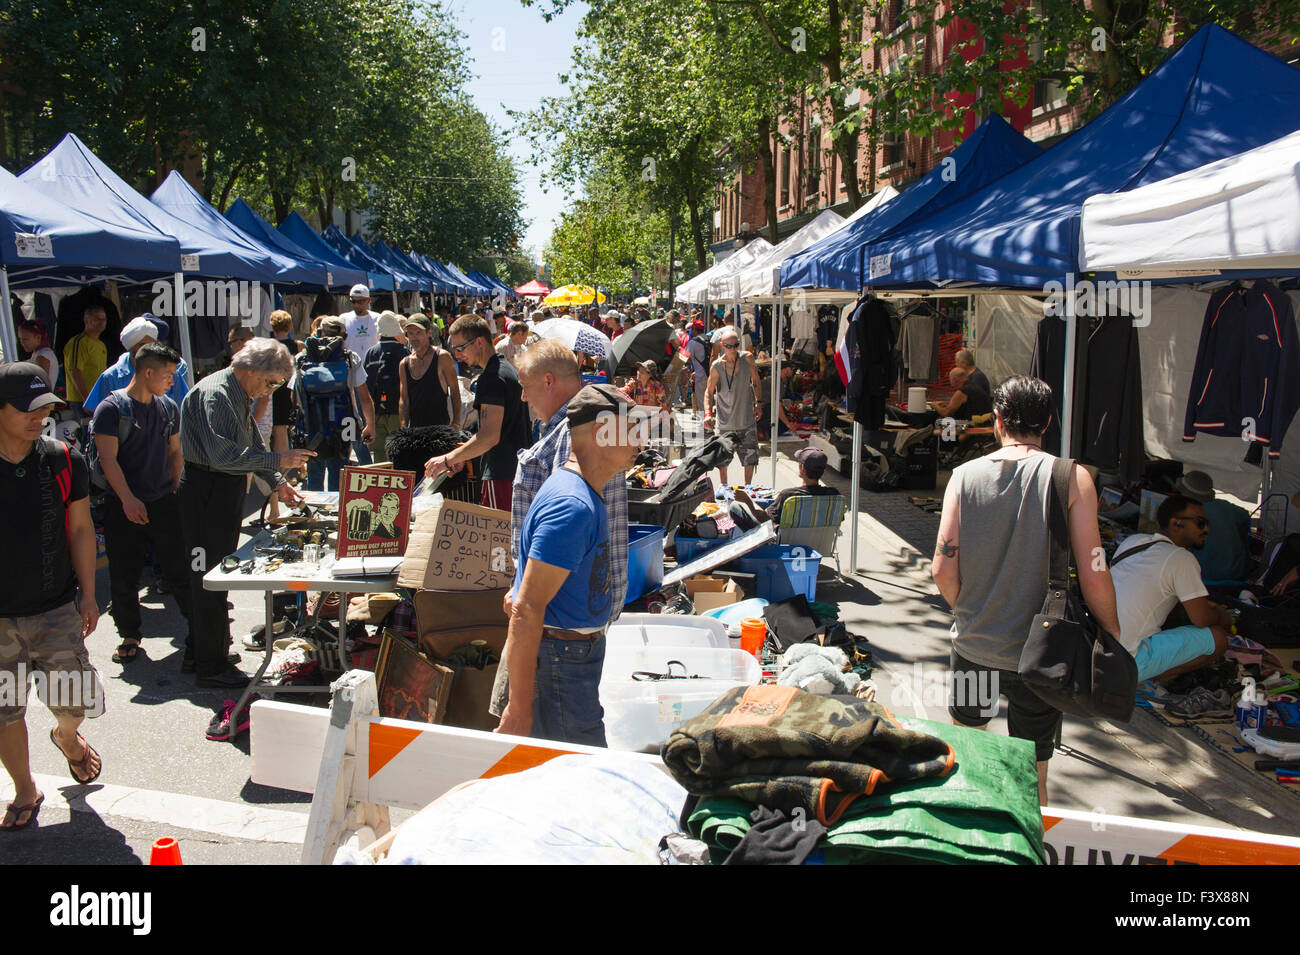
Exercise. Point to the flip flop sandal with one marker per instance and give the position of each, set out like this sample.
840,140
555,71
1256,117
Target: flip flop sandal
126,652
32,807
82,763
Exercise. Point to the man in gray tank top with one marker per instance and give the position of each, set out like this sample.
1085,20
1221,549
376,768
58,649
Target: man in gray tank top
991,565
727,405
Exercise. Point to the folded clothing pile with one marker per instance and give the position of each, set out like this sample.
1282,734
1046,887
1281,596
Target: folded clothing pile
985,811
780,747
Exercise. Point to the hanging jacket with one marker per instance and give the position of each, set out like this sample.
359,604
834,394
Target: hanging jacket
1247,373
869,344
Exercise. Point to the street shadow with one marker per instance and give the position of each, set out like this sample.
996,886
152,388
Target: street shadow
85,839
258,794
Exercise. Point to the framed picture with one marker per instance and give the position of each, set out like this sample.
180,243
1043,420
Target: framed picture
1147,507
374,512
410,686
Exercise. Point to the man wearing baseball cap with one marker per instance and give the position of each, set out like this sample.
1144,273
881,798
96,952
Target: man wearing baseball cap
47,603
362,327
812,465
137,333
556,644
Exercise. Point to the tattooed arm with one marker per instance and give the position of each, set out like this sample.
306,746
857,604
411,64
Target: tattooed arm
944,566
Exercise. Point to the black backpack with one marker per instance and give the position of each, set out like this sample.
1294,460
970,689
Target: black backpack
324,397
382,375
126,428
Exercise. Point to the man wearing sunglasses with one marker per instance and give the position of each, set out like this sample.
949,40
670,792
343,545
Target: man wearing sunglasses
727,401
362,327
1154,574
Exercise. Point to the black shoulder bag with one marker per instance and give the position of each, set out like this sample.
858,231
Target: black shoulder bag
1068,660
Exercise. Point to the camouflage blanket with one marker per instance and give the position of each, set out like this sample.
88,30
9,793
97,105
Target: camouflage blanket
778,746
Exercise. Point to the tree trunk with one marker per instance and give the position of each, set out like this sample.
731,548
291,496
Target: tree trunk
230,185
693,205
283,203
845,144
767,155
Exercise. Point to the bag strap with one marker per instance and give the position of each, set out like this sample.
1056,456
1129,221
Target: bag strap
1058,524
1137,550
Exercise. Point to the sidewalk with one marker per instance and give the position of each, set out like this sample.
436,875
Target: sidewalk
1143,768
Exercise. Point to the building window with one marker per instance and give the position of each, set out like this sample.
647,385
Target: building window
785,176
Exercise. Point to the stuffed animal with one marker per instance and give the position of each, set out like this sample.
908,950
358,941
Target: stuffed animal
409,448
817,670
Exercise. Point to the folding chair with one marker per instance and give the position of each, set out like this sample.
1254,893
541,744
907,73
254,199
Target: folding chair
813,521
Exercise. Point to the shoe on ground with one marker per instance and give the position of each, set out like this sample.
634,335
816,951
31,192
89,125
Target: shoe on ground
1202,704
187,664
224,726
229,678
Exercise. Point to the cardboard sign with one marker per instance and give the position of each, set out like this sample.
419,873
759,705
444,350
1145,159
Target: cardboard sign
374,512
459,546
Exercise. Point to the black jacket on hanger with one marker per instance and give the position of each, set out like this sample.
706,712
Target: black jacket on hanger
871,362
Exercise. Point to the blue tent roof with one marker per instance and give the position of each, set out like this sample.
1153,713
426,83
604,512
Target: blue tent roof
1216,96
453,284
182,200
494,284
430,281
361,258
296,229
991,151
337,274
406,282
469,283
441,280
385,253
81,248
73,175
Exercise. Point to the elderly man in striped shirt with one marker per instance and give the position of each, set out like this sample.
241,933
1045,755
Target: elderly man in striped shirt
550,378
221,444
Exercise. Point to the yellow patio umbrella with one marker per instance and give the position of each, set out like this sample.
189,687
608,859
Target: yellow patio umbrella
573,295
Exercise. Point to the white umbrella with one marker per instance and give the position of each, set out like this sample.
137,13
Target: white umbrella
575,335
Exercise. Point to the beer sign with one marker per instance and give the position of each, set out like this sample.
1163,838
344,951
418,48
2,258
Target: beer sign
374,512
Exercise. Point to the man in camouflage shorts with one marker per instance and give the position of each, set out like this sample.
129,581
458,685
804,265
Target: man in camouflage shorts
47,607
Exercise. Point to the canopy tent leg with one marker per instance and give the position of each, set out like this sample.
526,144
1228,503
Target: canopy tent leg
187,350
855,493
8,337
773,417
1068,383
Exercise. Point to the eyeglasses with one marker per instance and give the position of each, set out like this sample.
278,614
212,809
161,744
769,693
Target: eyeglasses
730,345
274,382
457,349
1201,522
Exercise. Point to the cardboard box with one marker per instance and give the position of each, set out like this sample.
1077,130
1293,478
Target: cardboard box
458,546
709,593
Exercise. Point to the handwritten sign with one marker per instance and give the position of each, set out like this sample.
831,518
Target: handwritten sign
458,546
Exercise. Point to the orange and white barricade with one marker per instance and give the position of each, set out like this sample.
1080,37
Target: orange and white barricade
358,765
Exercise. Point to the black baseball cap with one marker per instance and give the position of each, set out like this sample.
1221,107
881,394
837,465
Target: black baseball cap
23,385
813,461
594,400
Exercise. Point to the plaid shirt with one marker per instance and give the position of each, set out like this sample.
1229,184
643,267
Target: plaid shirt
536,464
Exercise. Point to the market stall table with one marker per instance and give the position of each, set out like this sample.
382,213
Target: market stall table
292,577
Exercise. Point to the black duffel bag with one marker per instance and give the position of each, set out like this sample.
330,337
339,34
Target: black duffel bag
1068,660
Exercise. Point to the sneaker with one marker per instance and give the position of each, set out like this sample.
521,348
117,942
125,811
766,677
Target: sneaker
1202,704
224,727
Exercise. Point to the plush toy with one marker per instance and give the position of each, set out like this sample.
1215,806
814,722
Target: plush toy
409,448
817,670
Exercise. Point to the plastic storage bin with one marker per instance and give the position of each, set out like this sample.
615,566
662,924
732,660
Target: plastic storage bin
690,548
638,630
641,510
645,560
782,570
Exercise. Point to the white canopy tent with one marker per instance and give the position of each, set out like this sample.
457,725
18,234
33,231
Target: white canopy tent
695,290
759,281
721,285
1242,212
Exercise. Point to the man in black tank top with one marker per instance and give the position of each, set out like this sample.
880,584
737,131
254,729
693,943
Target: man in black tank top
428,377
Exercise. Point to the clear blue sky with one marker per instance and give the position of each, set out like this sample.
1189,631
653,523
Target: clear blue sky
517,59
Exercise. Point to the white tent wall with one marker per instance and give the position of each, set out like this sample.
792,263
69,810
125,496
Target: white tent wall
1005,328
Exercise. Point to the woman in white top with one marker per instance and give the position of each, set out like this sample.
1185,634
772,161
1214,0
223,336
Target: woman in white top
31,335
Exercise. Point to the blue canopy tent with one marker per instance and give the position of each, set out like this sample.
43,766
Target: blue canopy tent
495,286
340,243
338,275
296,229
466,281
1214,97
183,201
990,152
384,253
47,244
404,281
437,282
73,175
451,281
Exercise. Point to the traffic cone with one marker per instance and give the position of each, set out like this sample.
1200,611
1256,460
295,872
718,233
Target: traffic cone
165,852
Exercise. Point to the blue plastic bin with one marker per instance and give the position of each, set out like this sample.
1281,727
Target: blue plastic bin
782,570
689,548
645,560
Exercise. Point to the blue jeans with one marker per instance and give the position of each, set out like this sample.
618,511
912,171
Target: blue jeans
566,692
319,468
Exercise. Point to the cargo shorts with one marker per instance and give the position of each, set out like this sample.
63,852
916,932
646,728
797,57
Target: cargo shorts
747,448
46,652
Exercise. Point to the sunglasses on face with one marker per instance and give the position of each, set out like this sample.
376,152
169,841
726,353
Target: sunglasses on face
458,349
1201,522
730,345
274,382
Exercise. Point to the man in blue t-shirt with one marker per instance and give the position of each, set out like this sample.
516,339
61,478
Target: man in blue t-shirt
141,466
556,644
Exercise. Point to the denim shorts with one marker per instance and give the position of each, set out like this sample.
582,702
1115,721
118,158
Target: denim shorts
566,691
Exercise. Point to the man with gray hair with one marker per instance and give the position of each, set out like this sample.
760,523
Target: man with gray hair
221,444
965,360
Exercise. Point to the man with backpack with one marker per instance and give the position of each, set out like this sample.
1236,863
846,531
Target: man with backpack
135,458
327,376
47,603
382,365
